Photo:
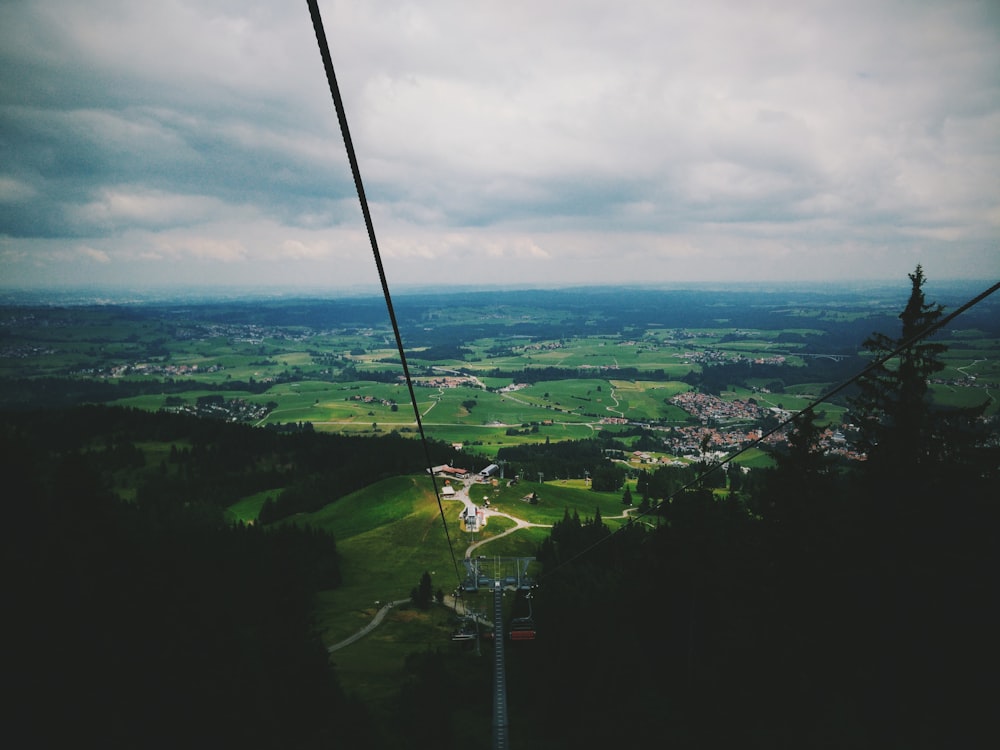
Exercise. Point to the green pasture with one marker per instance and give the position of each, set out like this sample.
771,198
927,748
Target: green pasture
803,390
964,397
248,509
513,362
488,440
584,399
554,497
325,403
755,458
449,406
373,667
155,402
523,543
602,354
646,400
980,362
389,533
535,403
467,435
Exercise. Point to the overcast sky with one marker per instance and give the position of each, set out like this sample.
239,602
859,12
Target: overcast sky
543,142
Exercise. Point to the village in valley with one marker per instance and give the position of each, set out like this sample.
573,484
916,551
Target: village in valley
531,367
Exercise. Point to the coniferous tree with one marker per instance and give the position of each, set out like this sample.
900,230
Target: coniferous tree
921,551
802,480
422,595
642,482
899,430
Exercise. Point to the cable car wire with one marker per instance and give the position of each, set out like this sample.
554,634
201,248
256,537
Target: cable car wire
324,49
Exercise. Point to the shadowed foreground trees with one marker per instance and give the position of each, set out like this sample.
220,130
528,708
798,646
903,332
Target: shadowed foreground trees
823,607
818,607
154,624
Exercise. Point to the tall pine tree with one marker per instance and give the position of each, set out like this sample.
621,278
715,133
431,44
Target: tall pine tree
899,430
921,512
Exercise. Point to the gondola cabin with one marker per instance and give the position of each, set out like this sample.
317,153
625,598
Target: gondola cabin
522,629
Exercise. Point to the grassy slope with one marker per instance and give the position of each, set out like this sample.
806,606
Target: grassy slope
391,532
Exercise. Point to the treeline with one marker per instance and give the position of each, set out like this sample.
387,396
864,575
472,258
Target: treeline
716,378
813,608
336,467
213,464
532,375
151,623
567,459
61,393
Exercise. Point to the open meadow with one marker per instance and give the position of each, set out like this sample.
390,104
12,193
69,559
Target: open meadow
391,532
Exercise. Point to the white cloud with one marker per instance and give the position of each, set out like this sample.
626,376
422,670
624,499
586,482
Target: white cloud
305,250
582,140
201,248
91,253
13,190
122,206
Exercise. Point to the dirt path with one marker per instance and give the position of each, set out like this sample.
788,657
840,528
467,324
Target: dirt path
376,621
614,398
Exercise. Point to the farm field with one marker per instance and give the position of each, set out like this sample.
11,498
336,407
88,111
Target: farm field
515,368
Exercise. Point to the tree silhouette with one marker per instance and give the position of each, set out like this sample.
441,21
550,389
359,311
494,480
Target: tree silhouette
920,554
423,594
899,430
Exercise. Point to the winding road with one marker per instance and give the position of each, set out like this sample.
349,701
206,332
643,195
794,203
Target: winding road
462,494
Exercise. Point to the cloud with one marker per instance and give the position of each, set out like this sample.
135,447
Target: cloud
13,190
122,206
716,139
98,256
311,250
202,248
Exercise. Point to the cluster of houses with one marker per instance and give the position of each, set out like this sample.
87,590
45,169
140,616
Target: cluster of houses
472,517
716,356
454,472
444,381
146,368
24,351
512,387
688,441
371,400
232,410
707,407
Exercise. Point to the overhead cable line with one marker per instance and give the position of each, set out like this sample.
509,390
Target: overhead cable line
338,102
873,365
